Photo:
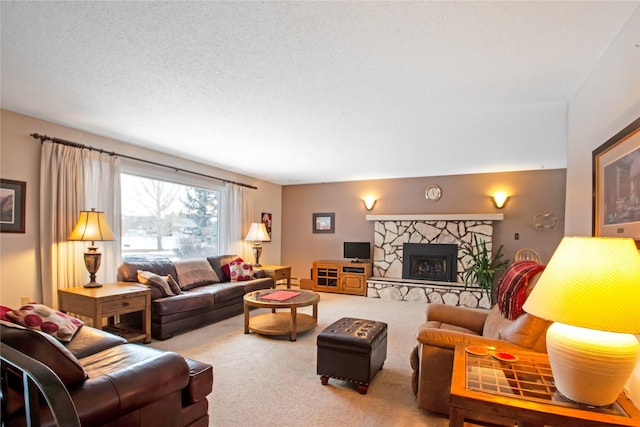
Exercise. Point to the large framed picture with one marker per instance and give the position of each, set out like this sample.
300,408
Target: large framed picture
616,185
324,222
12,205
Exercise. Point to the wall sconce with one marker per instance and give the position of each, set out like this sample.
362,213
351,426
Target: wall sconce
500,198
369,202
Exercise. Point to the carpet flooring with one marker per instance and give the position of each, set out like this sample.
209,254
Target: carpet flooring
271,381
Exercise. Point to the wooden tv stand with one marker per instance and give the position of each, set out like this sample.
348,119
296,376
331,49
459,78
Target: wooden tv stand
342,277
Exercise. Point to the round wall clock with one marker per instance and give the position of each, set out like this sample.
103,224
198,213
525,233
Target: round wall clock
433,193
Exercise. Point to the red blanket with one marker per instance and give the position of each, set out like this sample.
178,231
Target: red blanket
512,288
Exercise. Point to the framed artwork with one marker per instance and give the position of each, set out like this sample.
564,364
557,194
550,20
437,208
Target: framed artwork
267,220
616,185
12,205
324,222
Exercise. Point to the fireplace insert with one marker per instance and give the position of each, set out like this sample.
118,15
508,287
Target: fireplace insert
430,261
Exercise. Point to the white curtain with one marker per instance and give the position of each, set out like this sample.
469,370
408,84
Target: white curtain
237,219
72,180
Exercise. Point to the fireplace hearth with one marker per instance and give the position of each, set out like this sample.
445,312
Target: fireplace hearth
430,261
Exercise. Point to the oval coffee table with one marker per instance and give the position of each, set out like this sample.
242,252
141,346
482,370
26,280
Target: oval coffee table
285,322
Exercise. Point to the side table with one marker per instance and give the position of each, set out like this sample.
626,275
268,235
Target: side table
110,300
277,273
523,391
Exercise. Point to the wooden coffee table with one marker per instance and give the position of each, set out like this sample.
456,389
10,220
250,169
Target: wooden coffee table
524,392
288,322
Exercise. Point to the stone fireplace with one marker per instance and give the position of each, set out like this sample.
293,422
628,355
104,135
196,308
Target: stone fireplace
392,232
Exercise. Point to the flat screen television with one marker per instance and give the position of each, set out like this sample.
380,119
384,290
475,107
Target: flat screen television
357,250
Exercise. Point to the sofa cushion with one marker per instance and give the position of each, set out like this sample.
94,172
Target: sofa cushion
46,349
151,279
240,271
189,300
42,318
90,340
128,270
195,272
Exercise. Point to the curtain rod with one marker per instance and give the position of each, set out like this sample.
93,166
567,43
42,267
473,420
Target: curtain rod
44,138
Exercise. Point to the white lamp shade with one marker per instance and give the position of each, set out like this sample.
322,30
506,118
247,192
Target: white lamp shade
92,226
590,282
258,233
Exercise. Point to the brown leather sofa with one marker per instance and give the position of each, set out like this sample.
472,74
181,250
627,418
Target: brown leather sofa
195,307
446,326
111,382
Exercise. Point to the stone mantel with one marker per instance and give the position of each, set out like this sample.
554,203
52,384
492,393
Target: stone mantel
437,217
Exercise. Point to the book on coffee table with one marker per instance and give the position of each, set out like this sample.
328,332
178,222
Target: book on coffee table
280,295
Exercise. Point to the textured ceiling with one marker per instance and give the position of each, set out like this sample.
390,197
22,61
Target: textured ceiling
301,92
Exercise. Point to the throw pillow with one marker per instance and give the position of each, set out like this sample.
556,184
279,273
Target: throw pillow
195,272
3,313
227,267
151,279
174,285
45,319
240,271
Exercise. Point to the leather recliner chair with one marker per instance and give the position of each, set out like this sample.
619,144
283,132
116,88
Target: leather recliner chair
446,326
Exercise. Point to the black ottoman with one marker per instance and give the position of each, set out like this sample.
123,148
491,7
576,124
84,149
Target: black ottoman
352,350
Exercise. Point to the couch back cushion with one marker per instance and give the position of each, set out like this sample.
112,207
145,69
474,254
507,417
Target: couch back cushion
526,330
218,264
195,272
128,270
46,349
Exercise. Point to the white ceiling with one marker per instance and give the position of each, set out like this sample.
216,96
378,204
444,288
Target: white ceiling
302,92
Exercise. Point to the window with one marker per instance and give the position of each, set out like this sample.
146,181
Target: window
170,219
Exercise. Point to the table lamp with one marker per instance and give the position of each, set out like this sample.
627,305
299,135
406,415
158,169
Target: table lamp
258,234
590,289
92,226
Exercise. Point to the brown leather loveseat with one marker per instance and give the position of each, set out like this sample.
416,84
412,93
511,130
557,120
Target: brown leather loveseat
110,382
446,326
198,305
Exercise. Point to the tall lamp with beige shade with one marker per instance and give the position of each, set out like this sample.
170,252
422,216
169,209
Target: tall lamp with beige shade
591,290
92,226
258,234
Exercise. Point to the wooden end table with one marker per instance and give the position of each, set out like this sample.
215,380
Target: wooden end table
110,300
280,323
277,273
524,392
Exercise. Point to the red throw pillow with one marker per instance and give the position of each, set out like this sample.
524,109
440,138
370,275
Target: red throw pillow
45,319
3,313
241,271
227,269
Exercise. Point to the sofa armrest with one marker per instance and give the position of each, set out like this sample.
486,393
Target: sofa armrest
140,375
464,317
447,339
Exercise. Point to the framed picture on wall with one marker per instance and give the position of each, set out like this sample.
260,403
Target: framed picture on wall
267,221
12,206
324,222
616,185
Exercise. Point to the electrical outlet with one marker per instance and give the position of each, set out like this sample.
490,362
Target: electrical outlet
25,300
516,236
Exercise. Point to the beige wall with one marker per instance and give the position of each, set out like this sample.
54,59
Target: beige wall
531,192
606,103
20,161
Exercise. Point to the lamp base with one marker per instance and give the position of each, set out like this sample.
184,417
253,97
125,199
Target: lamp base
92,259
590,366
257,251
93,285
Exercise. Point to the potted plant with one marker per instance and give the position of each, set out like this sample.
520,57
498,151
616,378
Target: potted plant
482,267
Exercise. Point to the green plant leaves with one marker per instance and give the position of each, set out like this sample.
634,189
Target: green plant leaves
482,267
